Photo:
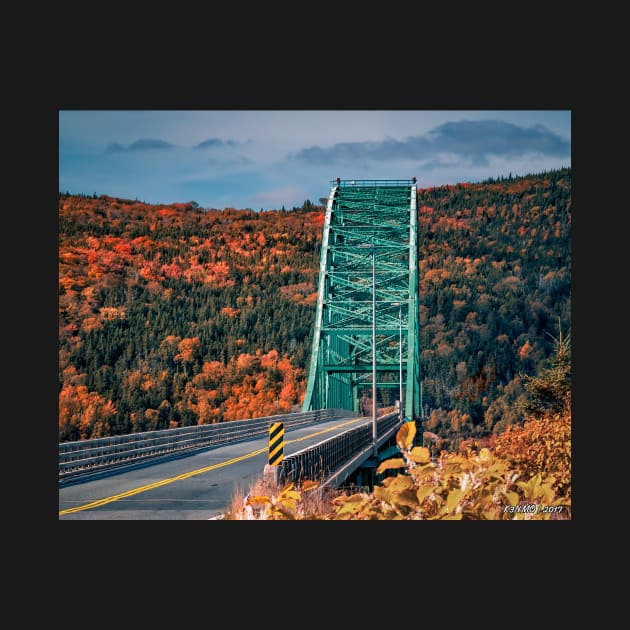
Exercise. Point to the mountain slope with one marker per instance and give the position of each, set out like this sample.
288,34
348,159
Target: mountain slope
173,315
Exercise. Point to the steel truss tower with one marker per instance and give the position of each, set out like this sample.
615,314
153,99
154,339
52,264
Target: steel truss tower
367,299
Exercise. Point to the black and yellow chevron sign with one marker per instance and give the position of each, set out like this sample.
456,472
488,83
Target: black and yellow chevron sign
276,443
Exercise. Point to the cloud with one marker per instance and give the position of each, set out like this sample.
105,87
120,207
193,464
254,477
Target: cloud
479,139
449,144
148,143
237,162
212,143
114,147
448,160
143,144
152,144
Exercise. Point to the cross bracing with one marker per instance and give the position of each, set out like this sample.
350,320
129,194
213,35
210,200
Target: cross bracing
367,314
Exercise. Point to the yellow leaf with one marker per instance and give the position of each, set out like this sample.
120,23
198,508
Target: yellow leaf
353,498
453,499
289,486
291,494
287,503
348,510
484,454
388,464
281,510
382,494
399,483
420,455
350,505
423,492
405,435
422,472
512,497
309,485
258,499
407,498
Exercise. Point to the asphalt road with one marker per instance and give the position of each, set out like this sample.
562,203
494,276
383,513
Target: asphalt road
201,486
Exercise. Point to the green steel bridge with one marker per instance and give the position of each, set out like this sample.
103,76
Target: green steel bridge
365,344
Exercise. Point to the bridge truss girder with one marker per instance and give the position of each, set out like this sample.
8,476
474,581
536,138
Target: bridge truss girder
368,289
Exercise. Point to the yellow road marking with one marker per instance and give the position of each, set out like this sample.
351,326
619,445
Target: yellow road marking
192,473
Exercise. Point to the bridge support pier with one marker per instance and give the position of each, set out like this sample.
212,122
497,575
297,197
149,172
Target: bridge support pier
365,475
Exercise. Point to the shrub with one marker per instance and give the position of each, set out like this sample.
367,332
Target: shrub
497,485
540,446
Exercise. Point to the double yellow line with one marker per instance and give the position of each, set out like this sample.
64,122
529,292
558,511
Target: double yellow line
192,473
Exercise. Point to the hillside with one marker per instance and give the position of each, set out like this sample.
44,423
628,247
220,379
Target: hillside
174,315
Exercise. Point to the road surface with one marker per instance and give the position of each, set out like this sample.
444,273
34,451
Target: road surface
200,486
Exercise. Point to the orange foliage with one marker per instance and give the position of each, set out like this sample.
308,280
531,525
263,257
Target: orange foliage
188,347
246,362
316,218
228,311
444,350
172,270
432,275
540,446
84,412
150,272
92,242
123,249
270,359
525,350
111,312
91,323
95,271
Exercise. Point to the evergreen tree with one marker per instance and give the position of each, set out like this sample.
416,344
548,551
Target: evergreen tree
551,390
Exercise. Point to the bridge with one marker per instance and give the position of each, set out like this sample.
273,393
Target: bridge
365,341
364,375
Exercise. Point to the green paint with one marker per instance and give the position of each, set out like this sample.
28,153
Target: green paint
366,218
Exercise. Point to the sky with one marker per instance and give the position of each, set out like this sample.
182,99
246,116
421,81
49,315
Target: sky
267,159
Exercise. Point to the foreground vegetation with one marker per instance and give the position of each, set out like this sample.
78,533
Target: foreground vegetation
527,476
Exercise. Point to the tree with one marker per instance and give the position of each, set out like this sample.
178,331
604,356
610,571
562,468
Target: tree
551,390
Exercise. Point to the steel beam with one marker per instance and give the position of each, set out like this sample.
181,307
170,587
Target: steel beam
365,219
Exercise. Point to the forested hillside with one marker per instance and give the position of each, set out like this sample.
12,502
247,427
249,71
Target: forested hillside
495,294
175,315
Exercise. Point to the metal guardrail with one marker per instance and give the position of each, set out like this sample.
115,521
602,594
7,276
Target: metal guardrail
319,462
85,457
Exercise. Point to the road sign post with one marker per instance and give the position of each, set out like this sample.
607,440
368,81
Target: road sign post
276,452
276,443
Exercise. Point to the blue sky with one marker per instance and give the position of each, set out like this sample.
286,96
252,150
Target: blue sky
273,158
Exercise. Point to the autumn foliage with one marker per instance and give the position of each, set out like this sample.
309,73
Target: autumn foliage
540,446
175,315
475,485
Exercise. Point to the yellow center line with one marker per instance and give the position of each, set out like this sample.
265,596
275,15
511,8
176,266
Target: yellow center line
192,473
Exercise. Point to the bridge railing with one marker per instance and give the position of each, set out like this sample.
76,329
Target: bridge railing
84,457
380,183
319,462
